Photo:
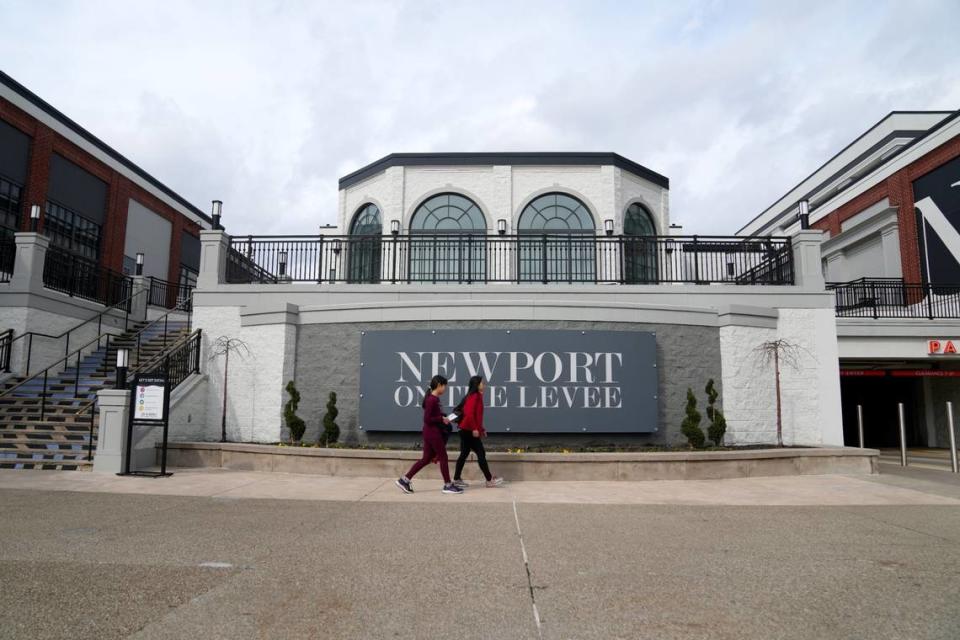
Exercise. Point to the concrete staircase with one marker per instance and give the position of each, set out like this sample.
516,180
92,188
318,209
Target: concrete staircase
57,429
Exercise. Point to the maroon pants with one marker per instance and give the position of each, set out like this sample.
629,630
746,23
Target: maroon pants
433,447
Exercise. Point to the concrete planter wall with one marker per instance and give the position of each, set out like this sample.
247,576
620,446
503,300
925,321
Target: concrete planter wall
706,465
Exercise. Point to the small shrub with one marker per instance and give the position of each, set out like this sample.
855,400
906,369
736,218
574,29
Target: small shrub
718,424
295,424
331,432
691,424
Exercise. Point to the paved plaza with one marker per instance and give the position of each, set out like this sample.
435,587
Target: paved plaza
221,554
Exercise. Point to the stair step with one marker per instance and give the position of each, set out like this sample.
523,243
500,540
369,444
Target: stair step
47,465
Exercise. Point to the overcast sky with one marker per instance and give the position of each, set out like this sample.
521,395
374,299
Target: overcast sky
266,104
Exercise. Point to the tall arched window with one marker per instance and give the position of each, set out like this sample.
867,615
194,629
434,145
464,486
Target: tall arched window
639,246
363,252
564,248
448,240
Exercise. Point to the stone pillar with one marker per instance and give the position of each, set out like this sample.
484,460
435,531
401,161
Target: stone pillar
28,263
112,435
807,269
141,297
213,259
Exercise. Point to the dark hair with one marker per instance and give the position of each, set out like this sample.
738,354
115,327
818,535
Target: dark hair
435,382
474,385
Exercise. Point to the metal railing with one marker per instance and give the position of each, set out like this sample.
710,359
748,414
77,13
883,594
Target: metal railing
178,363
82,278
892,298
168,295
124,305
8,256
184,306
533,258
6,346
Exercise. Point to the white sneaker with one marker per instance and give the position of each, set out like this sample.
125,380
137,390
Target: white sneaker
495,482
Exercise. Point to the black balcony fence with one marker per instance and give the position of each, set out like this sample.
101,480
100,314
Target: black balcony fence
893,298
531,258
79,277
8,255
170,295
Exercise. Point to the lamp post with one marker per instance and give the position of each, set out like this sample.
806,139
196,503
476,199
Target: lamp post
803,208
139,269
395,227
282,258
215,211
123,361
608,226
34,217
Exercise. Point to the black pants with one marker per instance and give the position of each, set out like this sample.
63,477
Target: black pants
467,444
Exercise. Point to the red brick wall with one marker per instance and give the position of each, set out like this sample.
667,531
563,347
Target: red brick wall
45,142
898,187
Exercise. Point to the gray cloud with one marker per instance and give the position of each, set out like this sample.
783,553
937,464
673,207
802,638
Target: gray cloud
265,105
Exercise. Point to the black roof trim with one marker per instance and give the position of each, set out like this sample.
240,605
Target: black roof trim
838,153
587,158
50,110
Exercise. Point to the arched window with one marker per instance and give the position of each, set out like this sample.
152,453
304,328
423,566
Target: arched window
639,246
565,248
448,240
364,249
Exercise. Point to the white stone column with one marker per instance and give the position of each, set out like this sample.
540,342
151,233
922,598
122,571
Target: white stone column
28,263
213,258
112,435
140,293
807,269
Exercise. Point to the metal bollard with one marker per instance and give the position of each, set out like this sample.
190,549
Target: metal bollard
860,423
903,435
953,439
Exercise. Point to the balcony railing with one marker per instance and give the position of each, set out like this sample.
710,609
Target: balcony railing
170,295
533,258
892,298
76,276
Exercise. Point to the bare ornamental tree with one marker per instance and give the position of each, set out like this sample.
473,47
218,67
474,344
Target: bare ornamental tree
222,346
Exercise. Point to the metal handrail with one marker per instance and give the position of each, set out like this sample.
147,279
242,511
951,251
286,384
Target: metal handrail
98,318
184,305
6,346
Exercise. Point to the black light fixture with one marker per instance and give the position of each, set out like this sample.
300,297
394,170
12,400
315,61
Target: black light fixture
803,213
139,270
395,227
282,258
34,217
608,226
123,361
501,226
215,212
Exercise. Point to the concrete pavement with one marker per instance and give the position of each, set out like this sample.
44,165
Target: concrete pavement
245,555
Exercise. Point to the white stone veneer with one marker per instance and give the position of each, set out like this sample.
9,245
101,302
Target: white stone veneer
256,379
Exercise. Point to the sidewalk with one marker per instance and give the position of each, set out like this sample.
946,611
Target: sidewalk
218,483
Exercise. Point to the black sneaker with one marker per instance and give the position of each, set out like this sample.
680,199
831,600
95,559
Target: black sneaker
452,488
404,485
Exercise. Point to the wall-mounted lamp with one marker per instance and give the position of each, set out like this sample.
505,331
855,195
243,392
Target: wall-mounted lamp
123,361
282,259
34,217
608,226
803,214
395,227
215,211
501,226
676,227
139,269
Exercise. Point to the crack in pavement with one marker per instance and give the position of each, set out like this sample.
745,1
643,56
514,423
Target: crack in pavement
526,565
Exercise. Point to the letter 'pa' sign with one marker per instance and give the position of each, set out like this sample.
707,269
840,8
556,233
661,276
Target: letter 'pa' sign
537,381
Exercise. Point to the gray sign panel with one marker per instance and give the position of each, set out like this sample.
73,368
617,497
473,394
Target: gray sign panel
537,381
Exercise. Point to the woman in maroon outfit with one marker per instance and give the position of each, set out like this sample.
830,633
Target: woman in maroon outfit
434,443
471,432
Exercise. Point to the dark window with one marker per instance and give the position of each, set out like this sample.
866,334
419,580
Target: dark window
72,232
363,251
639,246
565,248
11,195
448,240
